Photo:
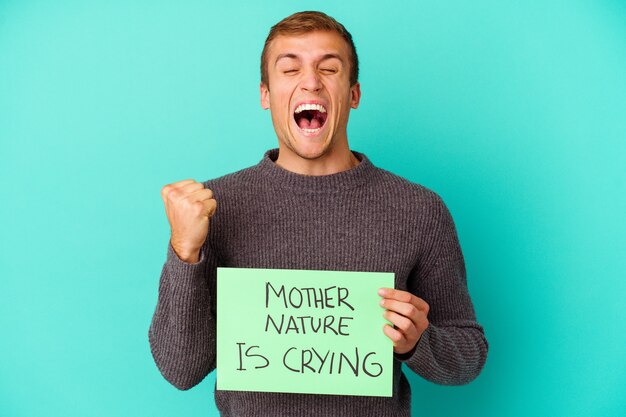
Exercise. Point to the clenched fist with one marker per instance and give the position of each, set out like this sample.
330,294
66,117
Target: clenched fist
188,206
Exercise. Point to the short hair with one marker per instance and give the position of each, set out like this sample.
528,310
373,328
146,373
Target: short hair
304,22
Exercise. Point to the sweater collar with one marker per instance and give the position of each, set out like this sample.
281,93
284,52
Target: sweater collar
343,180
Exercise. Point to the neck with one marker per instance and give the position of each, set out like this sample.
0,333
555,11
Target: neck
338,160
278,176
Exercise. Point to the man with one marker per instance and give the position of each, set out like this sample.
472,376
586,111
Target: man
314,204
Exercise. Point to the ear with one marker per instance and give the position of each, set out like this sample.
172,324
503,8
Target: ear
355,95
265,96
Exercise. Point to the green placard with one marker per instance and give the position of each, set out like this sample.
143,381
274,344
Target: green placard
317,332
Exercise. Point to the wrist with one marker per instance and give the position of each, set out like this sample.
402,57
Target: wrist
186,254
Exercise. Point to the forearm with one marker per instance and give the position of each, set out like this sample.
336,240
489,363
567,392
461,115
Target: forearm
452,354
453,349
182,332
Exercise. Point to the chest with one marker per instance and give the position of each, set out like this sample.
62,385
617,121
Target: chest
330,233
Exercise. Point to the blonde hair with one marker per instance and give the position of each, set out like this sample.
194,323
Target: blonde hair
305,22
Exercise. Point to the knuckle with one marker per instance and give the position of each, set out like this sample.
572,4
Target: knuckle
173,193
197,206
406,325
421,326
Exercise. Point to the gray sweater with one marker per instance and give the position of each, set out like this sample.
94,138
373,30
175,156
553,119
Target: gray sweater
362,219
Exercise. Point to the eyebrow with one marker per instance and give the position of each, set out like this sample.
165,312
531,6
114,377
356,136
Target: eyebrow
294,56
287,55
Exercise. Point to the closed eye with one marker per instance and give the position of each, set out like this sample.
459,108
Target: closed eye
328,70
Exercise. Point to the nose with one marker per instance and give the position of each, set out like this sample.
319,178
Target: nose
311,81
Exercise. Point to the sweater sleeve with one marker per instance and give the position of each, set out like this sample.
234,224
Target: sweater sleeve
182,332
453,349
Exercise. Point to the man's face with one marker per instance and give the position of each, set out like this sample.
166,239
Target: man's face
309,93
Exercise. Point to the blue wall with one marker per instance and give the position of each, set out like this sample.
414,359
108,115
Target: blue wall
514,112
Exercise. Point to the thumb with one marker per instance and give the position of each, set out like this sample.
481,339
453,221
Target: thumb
210,206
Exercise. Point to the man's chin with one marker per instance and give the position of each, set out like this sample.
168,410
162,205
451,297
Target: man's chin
298,152
309,153
309,147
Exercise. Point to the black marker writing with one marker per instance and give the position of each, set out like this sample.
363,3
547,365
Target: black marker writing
311,361
300,324
247,354
329,297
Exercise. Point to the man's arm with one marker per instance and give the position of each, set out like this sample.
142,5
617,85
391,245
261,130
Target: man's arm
436,317
182,332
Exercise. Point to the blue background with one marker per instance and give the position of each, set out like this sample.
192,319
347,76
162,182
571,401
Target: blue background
514,112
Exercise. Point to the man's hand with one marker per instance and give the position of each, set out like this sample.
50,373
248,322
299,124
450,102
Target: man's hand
188,206
408,315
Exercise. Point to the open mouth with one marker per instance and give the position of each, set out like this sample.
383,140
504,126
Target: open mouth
310,118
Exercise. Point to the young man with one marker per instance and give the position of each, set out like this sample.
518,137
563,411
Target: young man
314,204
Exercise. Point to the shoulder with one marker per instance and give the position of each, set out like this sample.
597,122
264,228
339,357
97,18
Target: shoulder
244,178
416,211
400,188
414,205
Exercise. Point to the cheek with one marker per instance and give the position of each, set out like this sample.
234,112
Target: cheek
279,100
280,110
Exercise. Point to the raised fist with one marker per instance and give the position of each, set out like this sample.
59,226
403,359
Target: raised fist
188,206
